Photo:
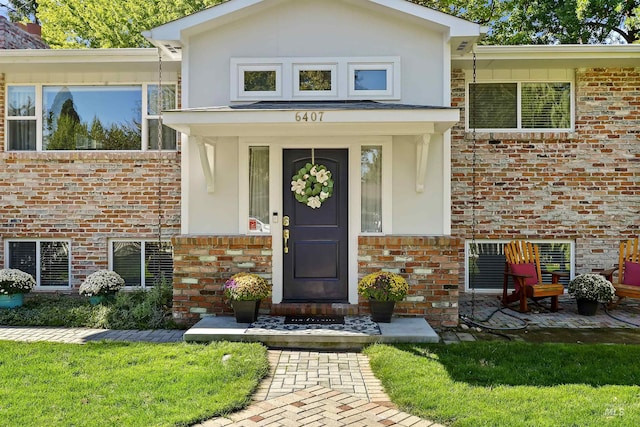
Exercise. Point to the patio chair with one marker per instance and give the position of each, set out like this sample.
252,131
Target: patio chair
523,266
628,283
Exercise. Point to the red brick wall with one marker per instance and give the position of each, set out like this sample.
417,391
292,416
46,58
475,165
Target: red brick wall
86,197
203,263
430,266
583,186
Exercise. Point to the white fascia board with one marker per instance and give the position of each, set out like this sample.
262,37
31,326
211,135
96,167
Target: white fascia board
57,56
334,122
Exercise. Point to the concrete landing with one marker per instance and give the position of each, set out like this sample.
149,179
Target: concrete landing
225,328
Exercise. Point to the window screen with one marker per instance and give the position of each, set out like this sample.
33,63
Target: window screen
487,272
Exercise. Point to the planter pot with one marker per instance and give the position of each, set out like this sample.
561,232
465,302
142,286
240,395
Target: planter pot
246,311
96,299
11,301
587,307
381,311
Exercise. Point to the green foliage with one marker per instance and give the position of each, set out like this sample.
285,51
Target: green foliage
109,23
125,384
129,310
513,384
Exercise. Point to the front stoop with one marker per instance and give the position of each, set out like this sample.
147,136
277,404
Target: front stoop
225,328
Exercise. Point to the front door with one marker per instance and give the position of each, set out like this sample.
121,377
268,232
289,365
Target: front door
315,258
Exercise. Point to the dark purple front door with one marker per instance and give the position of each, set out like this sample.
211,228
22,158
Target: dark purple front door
315,268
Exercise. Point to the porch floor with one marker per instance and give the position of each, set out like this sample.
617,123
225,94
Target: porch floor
278,335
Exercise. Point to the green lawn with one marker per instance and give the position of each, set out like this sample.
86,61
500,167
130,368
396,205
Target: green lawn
513,384
125,384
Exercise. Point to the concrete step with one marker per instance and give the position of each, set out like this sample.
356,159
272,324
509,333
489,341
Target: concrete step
225,328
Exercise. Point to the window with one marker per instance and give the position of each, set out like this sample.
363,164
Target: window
85,117
47,261
373,79
314,79
484,267
142,263
371,189
517,106
259,189
21,118
259,81
358,78
158,101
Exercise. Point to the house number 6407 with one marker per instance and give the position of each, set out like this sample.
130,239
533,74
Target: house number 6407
309,116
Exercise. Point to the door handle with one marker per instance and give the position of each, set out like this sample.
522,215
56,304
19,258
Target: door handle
285,235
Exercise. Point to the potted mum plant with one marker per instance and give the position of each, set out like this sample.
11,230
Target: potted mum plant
589,290
13,285
100,285
245,291
382,289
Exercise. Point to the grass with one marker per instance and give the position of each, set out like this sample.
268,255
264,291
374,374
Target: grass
125,384
513,384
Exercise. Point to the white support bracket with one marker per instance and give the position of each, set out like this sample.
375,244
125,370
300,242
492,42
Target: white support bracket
422,156
207,150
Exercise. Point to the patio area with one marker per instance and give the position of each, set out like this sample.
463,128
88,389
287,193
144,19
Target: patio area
483,317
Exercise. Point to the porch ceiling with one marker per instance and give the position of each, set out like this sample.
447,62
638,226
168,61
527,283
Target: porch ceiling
312,118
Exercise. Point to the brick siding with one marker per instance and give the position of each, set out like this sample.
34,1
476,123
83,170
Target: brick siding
86,197
430,266
583,186
203,263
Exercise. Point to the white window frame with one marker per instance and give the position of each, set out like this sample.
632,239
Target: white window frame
287,77
333,68
38,287
393,84
37,110
39,87
143,243
237,81
519,128
467,256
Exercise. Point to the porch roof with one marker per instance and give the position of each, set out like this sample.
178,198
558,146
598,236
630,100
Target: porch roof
304,118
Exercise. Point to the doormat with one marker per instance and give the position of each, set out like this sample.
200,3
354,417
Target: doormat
314,320
353,325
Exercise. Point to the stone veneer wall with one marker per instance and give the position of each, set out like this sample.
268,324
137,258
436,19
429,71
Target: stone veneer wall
87,197
13,36
202,264
430,266
583,186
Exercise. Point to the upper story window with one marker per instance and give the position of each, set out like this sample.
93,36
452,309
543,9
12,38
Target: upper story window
86,117
255,79
531,106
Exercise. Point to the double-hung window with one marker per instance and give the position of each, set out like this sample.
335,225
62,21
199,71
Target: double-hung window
142,263
531,106
48,261
87,117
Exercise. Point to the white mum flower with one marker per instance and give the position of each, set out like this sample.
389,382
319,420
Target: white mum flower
298,186
314,202
322,176
324,195
313,171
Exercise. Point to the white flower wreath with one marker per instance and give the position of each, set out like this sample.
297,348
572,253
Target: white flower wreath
312,185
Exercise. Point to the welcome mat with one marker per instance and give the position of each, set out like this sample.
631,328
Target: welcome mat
314,320
357,325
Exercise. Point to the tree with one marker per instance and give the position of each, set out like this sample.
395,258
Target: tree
22,10
109,23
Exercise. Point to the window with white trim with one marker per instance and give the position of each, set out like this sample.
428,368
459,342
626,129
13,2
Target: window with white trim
284,78
531,106
371,189
86,117
142,263
484,266
314,80
48,261
259,219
